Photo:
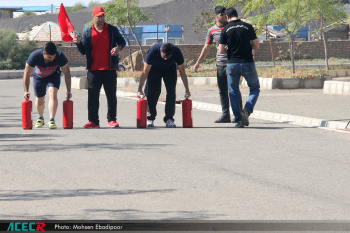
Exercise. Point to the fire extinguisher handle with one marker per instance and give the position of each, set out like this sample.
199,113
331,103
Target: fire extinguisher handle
187,96
26,95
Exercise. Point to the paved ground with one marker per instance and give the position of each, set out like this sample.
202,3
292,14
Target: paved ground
302,102
268,171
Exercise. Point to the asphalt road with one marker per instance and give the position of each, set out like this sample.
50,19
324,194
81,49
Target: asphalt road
267,171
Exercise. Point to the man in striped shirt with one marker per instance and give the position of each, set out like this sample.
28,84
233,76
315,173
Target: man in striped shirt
213,35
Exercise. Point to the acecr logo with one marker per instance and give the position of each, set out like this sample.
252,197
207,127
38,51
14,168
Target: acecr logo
26,226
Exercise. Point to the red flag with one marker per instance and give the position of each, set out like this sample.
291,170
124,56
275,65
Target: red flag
65,25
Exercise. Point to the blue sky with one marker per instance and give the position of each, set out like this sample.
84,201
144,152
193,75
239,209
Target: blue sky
45,2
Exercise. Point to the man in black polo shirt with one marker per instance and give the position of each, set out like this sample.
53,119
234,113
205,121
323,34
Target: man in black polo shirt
160,62
241,39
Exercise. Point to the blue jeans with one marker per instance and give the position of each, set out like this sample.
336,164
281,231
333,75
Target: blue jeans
234,73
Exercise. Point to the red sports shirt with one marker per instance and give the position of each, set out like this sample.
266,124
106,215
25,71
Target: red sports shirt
100,51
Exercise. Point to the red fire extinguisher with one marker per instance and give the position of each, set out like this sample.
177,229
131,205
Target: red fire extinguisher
141,113
68,114
187,113
27,122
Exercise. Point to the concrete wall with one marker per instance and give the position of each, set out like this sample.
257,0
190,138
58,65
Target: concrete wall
312,50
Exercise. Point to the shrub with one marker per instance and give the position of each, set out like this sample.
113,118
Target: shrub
28,13
311,73
275,72
282,72
339,67
19,54
77,6
13,54
8,40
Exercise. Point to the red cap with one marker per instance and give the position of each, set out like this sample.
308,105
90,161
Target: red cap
98,11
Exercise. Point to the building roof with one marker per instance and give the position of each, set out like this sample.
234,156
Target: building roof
25,24
10,8
30,8
44,32
302,31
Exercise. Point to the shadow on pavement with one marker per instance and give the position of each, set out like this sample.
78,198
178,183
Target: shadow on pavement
24,137
81,146
292,127
38,195
120,214
10,118
134,214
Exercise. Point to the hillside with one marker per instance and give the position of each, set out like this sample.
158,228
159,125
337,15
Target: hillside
178,12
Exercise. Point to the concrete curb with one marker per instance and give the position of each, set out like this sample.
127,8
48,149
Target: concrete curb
11,74
263,115
19,74
336,88
265,83
81,82
289,83
339,73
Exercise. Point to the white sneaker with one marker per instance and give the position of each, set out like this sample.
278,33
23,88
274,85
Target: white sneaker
150,123
170,124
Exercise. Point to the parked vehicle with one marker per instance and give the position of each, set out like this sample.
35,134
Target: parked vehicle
121,67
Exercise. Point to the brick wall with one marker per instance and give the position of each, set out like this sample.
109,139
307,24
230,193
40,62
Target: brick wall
312,50
73,55
306,49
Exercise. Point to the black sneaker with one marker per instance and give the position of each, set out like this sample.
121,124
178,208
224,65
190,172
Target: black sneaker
223,119
245,115
239,125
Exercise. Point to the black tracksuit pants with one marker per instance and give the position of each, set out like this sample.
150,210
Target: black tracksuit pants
154,87
221,75
97,78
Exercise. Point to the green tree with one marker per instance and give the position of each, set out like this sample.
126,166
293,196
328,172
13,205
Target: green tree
28,13
205,20
117,14
326,12
77,6
290,14
8,40
94,3
20,53
13,55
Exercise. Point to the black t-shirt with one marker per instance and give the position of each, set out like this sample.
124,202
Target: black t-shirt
42,69
237,36
154,58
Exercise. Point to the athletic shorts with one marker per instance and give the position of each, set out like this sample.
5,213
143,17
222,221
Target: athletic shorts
41,84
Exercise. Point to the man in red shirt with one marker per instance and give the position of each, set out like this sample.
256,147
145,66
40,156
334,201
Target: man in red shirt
101,42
